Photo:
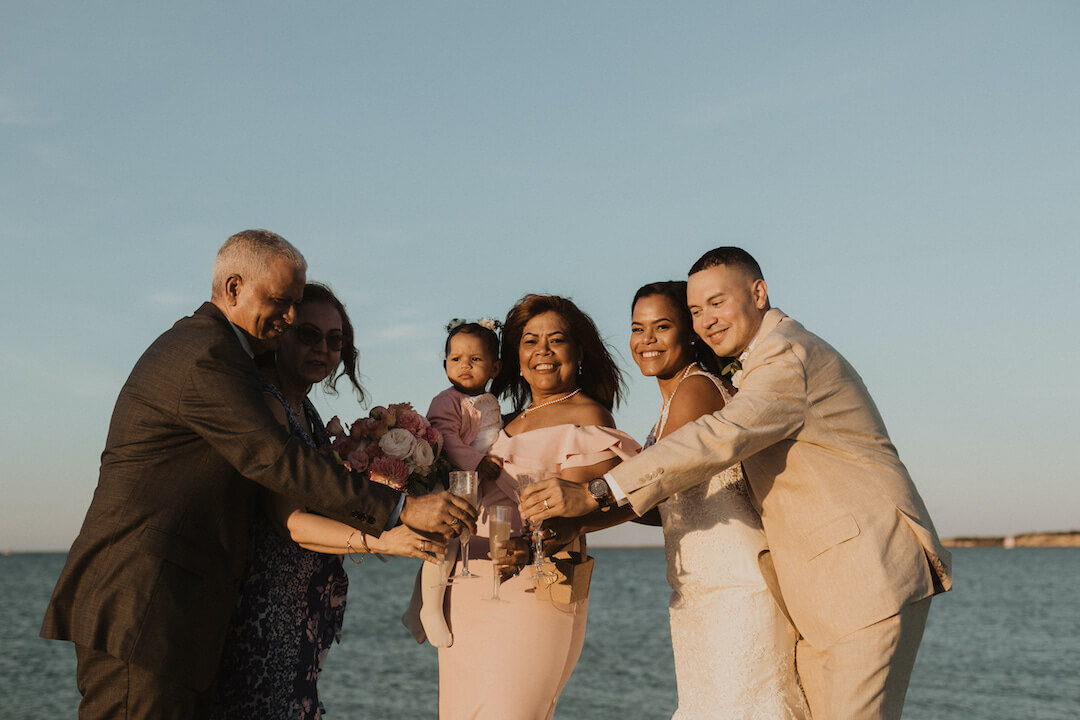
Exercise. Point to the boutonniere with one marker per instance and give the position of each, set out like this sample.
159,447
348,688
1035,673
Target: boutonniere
733,370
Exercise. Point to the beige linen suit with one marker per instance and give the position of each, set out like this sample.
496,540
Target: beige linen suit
850,538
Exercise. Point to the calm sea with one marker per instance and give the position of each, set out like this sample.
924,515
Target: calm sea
1004,645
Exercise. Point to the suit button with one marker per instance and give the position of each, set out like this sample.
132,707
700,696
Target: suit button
357,515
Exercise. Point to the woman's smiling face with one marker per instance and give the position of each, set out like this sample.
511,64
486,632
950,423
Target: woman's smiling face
548,356
659,343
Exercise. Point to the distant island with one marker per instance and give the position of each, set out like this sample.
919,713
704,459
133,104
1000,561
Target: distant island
1069,538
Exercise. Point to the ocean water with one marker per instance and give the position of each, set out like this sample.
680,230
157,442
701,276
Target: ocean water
1004,645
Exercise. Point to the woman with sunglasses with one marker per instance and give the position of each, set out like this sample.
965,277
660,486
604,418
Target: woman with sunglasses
293,600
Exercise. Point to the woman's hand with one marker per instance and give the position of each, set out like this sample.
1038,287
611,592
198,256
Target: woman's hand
518,555
555,497
406,542
558,533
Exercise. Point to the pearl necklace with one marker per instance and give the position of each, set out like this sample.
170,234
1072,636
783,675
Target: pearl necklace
529,408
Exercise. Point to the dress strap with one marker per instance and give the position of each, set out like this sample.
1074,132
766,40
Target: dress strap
691,369
295,427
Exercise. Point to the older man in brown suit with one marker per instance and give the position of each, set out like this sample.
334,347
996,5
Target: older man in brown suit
152,579
854,557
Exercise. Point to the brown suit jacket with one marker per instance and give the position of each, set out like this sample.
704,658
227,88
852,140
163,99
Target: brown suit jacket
153,575
850,538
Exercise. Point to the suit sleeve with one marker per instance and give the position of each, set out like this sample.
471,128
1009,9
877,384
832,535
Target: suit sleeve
222,402
770,406
445,416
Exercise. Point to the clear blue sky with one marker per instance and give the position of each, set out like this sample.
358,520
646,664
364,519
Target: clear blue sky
907,174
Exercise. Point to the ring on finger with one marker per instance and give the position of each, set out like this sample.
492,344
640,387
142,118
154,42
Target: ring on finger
423,546
546,506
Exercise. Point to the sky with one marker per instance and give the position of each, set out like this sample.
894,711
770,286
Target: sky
908,176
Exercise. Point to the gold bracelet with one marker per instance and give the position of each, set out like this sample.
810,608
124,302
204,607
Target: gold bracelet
349,548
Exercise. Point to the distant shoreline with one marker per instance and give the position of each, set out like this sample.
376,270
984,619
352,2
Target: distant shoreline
1069,538
1064,539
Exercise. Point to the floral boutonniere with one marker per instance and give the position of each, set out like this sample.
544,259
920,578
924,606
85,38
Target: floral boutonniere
733,370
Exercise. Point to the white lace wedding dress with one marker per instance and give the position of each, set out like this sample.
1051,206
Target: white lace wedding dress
734,649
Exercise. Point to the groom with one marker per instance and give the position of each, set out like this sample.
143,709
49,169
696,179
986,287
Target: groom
853,555
152,579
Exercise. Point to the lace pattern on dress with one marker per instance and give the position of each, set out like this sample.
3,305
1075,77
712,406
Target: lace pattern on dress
734,650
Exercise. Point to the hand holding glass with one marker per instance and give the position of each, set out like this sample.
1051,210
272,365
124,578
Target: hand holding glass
464,484
523,481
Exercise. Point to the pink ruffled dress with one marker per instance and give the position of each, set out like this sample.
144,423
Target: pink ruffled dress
510,660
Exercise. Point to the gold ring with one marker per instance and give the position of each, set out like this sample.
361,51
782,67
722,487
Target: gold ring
423,546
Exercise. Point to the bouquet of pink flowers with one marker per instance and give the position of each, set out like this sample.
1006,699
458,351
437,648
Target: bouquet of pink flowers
395,445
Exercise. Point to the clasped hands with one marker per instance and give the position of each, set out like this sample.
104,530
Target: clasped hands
438,514
559,505
556,502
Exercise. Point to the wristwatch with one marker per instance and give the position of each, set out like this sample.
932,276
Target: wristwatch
601,493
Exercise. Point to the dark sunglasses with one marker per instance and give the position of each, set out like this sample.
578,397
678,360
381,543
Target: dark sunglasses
312,336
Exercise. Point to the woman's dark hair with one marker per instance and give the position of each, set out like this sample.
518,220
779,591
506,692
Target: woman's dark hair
600,378
486,335
675,292
317,292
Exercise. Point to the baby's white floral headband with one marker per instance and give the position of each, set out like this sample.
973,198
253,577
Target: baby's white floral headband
487,323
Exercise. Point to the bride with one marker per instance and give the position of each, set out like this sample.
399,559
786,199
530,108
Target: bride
734,648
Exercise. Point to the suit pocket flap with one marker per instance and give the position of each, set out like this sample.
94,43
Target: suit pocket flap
176,550
828,535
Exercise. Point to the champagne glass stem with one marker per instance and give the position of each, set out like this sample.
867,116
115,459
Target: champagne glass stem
538,547
465,555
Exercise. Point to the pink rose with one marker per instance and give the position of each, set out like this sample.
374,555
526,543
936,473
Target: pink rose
343,445
334,427
433,438
357,460
412,421
398,408
368,428
389,471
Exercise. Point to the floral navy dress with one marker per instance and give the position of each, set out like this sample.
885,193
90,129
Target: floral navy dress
289,613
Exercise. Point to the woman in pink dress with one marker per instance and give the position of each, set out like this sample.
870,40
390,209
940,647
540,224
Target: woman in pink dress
510,660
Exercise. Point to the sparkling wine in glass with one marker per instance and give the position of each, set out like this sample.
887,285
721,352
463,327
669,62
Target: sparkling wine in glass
498,537
464,484
524,480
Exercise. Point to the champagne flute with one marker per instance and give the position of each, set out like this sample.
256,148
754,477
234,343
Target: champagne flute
464,484
498,537
524,480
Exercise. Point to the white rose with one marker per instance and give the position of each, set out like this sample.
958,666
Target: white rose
422,454
397,443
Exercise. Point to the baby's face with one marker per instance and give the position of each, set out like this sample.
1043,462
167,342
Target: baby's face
469,365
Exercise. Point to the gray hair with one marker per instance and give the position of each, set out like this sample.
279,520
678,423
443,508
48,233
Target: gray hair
249,254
